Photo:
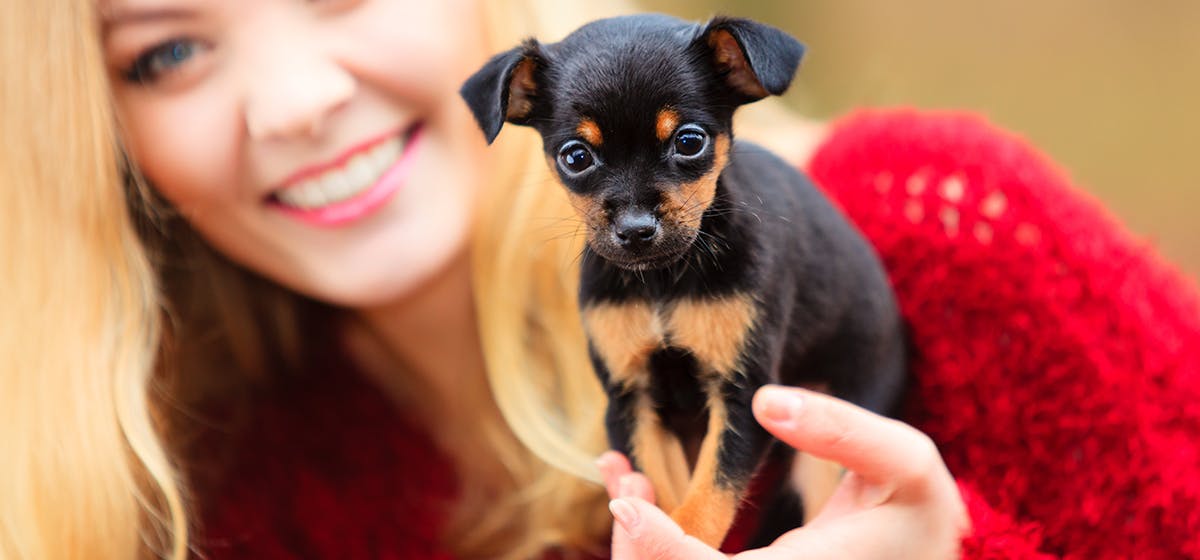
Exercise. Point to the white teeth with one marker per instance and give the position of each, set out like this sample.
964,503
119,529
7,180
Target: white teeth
337,185
359,171
385,154
318,197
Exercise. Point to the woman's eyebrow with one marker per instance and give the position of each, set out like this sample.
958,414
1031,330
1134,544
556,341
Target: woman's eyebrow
117,17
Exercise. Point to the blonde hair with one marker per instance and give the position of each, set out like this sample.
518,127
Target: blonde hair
83,473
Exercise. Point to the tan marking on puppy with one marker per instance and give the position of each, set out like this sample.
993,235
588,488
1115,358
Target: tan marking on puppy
686,205
659,455
521,90
590,210
590,131
708,508
815,480
624,335
713,330
586,207
665,123
728,56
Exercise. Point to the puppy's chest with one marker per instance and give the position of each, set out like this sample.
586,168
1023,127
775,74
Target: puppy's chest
713,331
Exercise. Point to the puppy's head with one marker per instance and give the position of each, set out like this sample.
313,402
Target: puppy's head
635,115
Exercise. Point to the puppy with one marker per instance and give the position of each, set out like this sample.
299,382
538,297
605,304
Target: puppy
711,267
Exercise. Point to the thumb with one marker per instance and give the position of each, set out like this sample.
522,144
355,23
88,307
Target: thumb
652,535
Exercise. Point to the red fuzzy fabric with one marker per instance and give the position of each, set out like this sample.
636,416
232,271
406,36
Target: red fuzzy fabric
1056,356
330,470
1056,361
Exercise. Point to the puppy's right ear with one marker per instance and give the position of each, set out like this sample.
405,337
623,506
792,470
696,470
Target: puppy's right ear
507,88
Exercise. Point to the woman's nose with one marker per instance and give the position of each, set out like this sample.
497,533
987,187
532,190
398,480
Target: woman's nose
294,93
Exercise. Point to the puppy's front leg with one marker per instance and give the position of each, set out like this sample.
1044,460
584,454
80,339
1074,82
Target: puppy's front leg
635,429
732,449
659,454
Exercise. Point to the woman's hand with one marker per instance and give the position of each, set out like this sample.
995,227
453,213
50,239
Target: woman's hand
897,500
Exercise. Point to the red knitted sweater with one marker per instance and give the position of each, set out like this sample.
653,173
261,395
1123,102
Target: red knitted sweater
1056,364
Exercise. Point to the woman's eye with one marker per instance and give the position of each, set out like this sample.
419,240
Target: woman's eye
689,142
576,158
165,57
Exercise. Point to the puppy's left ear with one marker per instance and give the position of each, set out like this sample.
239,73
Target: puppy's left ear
507,88
754,59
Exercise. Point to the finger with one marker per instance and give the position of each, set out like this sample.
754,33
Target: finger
881,450
635,485
849,497
632,485
613,465
646,533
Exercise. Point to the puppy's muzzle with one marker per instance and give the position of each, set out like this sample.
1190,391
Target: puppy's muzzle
638,238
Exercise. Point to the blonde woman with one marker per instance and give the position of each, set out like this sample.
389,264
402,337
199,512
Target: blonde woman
267,295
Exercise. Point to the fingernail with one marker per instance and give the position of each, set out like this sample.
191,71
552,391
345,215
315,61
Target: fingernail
780,405
625,514
625,486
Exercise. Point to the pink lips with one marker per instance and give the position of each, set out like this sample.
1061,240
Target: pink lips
364,203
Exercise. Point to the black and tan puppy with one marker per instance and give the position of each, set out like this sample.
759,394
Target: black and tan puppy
711,266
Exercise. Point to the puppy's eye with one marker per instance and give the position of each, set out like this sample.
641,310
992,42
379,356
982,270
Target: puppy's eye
575,158
689,141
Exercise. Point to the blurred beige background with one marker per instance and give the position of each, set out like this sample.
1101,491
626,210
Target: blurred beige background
1109,88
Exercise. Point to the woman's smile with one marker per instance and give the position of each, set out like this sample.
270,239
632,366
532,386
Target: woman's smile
353,185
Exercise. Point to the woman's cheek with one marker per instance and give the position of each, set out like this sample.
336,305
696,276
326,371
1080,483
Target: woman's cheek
187,146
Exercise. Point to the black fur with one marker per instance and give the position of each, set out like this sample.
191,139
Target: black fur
826,313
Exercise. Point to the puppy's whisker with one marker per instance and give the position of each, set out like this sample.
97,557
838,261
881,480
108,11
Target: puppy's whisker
577,260
707,251
706,236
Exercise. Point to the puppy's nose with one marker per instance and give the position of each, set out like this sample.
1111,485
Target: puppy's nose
635,229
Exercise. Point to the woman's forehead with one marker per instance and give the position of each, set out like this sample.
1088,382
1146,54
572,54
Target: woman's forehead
117,13
132,8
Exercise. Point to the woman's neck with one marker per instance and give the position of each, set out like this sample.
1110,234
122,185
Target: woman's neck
426,342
